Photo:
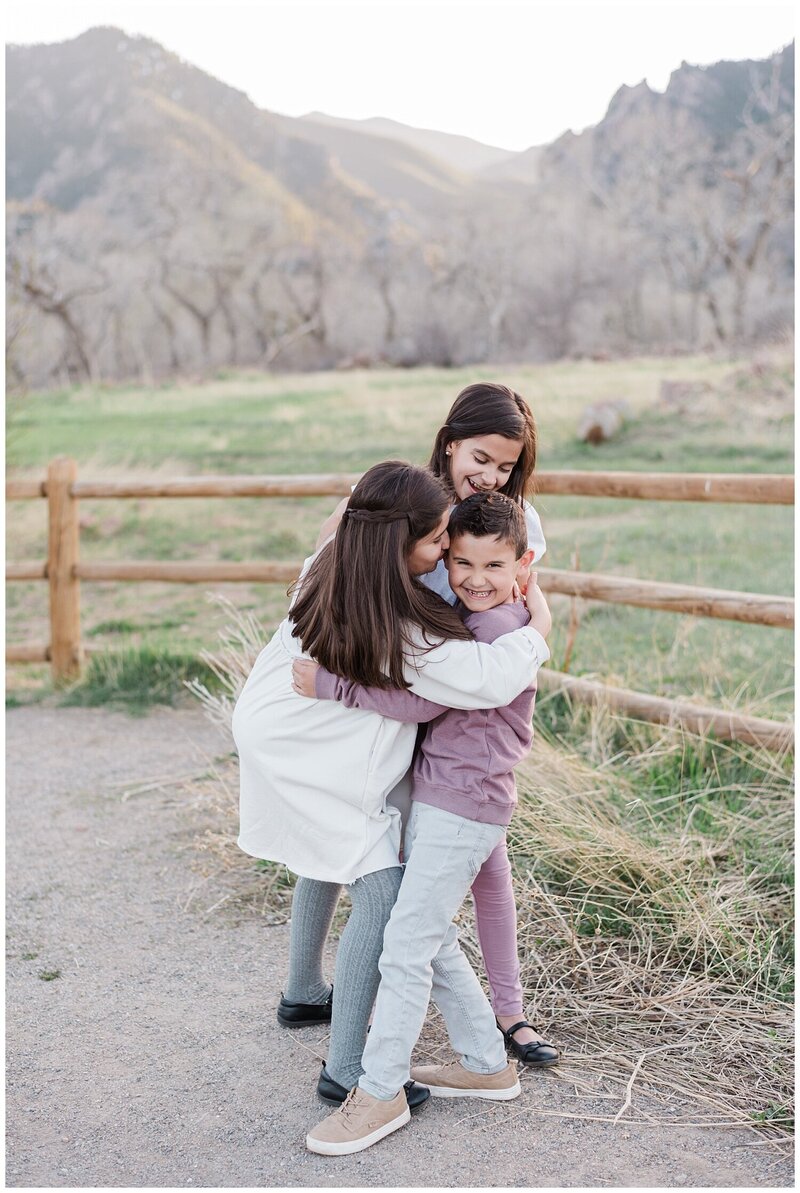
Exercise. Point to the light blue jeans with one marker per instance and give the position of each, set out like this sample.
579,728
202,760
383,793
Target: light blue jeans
422,957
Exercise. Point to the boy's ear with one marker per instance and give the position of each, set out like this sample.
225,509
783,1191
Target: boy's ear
524,562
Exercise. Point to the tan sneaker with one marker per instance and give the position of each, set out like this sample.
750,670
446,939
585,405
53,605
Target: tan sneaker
454,1081
359,1122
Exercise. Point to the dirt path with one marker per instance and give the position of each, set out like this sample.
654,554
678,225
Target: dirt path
155,1060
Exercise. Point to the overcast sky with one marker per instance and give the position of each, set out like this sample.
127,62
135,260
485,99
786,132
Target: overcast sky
510,74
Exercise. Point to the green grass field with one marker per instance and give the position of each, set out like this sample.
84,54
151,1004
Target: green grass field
343,422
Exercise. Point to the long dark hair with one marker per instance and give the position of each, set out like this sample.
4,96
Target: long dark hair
488,408
358,604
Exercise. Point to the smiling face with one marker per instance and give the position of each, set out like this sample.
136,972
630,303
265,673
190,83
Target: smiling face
483,570
481,465
426,552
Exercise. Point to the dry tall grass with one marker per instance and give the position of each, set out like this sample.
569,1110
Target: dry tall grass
650,947
652,876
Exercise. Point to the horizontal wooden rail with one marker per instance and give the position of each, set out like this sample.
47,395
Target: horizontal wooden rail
728,726
753,607
21,490
753,489
189,572
39,652
28,652
331,484
223,486
26,570
166,572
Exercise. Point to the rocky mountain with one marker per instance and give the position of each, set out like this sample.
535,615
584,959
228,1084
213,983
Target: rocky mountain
159,221
707,113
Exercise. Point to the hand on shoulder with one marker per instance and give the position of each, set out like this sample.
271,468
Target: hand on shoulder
304,677
538,607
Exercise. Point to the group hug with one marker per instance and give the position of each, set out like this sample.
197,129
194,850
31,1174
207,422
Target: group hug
377,736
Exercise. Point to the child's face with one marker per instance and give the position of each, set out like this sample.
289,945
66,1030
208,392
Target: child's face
482,464
483,570
427,551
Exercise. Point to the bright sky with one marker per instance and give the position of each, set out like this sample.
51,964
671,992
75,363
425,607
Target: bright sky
509,74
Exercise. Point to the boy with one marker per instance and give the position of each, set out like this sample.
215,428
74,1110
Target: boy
463,798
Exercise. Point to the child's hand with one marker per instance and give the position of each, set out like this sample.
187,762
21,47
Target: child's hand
304,677
538,607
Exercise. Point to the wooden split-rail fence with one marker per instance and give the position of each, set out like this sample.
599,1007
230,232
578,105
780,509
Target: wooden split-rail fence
64,571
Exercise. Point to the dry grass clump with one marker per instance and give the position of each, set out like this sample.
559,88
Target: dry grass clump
655,931
241,640
653,883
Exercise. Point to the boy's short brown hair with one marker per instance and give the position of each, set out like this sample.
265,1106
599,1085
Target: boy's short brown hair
485,514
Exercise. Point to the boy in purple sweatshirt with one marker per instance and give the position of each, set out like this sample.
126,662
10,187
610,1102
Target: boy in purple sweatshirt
463,796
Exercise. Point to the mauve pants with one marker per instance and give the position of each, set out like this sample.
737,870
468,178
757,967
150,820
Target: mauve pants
496,921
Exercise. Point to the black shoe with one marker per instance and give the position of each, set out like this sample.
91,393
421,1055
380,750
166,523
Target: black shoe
330,1091
538,1056
304,1014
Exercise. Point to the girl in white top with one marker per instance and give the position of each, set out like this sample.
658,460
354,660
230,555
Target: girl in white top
488,442
316,776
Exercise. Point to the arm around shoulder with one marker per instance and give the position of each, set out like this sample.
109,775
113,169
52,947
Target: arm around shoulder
394,703
478,674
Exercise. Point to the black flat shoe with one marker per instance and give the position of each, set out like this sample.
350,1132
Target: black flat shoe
538,1056
330,1091
304,1014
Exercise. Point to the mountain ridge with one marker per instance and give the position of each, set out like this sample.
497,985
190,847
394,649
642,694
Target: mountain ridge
147,196
464,153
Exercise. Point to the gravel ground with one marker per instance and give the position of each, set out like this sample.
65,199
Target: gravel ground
154,1059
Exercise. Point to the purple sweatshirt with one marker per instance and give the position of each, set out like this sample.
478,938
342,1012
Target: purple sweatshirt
466,761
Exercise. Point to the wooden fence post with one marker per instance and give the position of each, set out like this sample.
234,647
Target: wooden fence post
62,558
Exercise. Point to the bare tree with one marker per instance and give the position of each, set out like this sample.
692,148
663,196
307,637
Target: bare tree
38,282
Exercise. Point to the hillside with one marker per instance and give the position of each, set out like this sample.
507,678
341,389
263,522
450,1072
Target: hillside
86,115
397,171
159,222
461,153
127,104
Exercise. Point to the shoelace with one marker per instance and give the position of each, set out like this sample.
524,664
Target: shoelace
348,1104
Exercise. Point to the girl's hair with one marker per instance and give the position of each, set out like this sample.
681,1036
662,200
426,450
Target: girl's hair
358,604
488,408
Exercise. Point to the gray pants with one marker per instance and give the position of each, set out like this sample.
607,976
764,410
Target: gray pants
356,975
422,957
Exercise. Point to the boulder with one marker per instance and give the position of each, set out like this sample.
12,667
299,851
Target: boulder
602,421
